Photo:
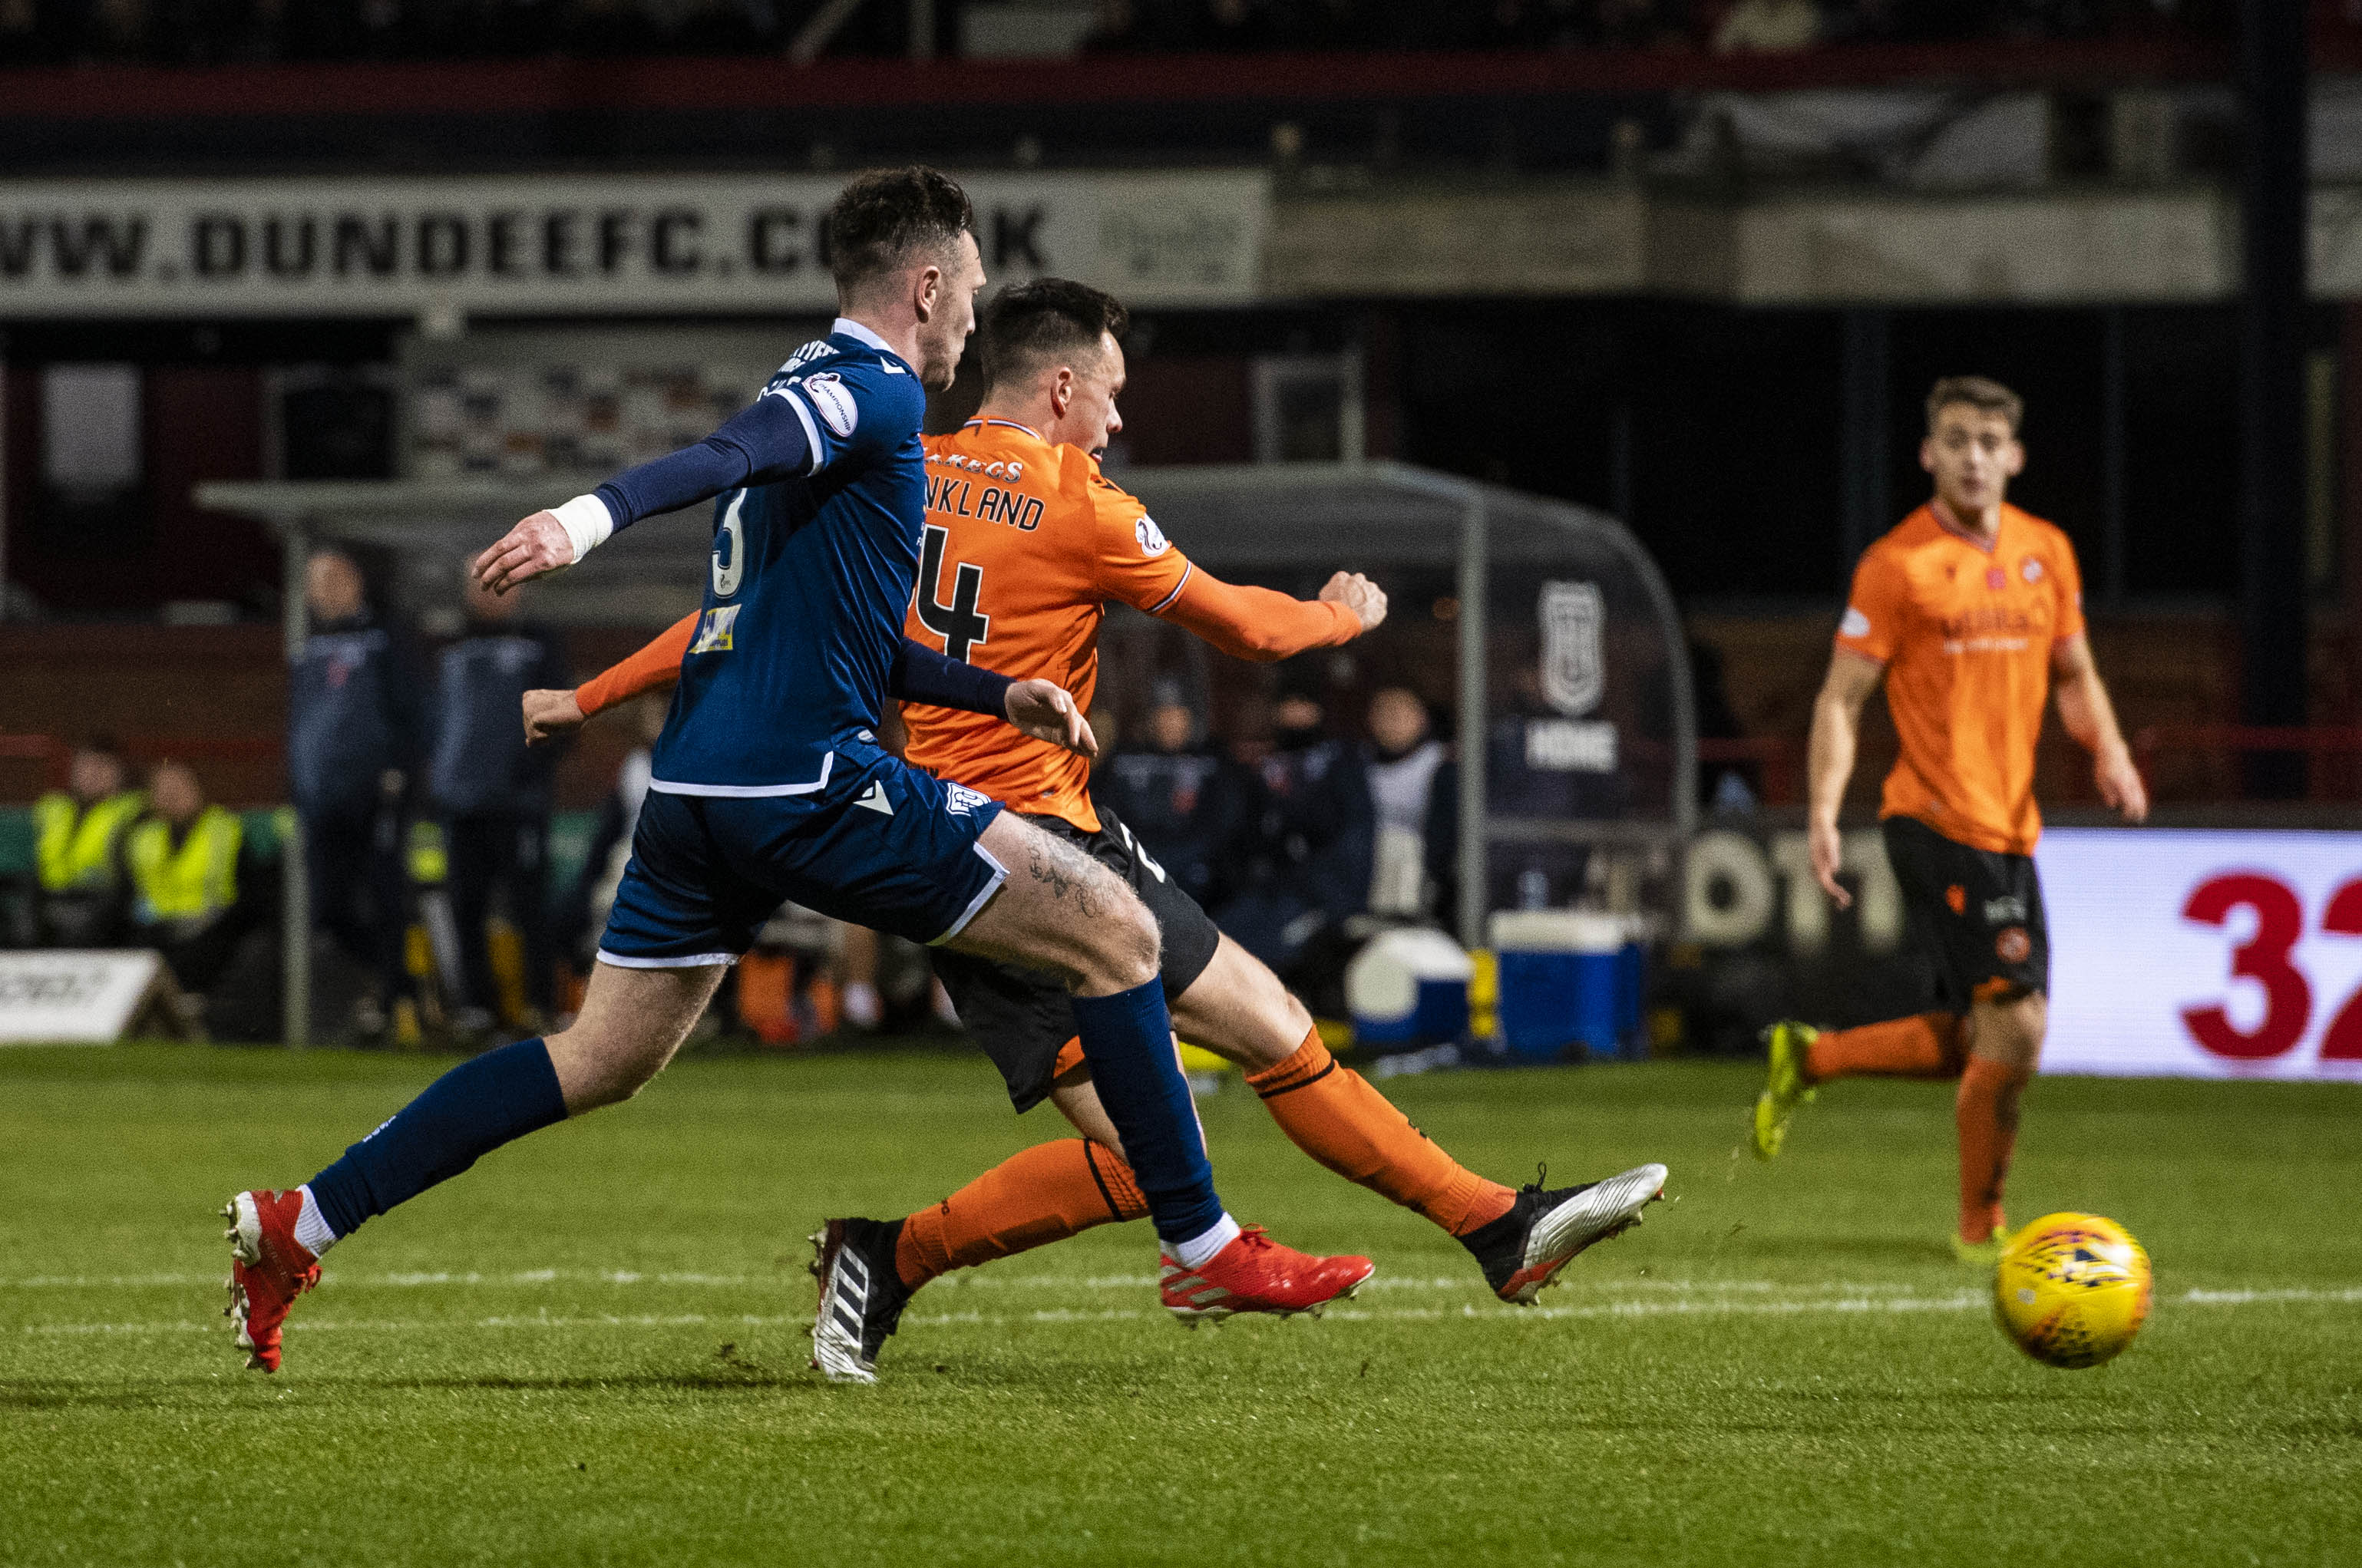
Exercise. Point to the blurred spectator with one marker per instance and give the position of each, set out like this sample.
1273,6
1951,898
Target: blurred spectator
492,795
198,888
1180,799
353,725
1403,758
79,833
1768,27
1308,847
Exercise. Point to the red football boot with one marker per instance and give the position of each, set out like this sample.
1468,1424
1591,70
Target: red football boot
268,1269
1255,1273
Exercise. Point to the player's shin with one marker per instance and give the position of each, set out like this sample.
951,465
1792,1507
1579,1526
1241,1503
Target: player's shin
1928,1046
465,1114
1333,1114
1985,1112
1035,1197
1127,1040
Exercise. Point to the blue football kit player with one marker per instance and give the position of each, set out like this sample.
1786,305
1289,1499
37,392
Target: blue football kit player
769,785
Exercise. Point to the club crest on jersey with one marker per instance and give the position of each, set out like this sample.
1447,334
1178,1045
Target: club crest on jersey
1855,624
2013,945
832,401
1151,538
1574,662
2030,570
960,801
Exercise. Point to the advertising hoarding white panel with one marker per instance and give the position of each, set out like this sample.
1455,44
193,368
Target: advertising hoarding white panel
2204,954
578,244
73,996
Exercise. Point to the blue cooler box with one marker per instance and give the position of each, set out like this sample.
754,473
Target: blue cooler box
1409,988
1564,982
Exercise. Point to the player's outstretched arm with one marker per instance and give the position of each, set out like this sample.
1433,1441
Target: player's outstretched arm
2090,718
769,440
1259,624
1837,732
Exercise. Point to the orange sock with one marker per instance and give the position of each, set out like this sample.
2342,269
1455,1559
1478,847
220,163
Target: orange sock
1931,1045
1334,1115
1986,1114
1043,1193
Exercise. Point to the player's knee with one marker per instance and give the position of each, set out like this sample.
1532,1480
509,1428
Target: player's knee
1124,949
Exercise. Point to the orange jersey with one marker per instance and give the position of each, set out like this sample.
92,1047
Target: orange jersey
1026,545
1966,635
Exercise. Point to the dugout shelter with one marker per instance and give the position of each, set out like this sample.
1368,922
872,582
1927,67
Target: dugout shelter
1573,721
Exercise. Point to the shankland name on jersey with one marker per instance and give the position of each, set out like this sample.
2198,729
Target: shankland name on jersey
810,573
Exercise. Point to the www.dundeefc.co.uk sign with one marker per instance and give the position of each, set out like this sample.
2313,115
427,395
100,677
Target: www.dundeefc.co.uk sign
580,244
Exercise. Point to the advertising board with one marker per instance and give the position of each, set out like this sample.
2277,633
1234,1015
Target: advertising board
2204,954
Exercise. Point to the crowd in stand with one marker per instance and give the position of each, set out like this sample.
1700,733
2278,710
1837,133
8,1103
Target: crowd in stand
208,32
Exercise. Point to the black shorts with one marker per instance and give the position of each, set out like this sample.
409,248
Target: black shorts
1977,913
1022,1017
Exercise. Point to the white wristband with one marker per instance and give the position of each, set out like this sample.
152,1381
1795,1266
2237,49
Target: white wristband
586,523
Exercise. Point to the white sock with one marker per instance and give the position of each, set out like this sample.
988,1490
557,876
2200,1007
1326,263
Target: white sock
1193,1253
861,1004
312,1230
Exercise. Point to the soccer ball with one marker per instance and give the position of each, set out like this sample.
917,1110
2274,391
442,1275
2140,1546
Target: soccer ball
2072,1289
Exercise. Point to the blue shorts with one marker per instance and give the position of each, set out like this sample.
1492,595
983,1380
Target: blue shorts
880,843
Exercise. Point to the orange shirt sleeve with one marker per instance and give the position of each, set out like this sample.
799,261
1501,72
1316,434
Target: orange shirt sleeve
1257,623
653,667
1132,560
2068,574
1873,626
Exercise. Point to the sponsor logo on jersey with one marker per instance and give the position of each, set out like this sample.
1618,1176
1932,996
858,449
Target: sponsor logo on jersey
1855,624
1151,538
960,801
715,631
1573,661
2008,910
832,401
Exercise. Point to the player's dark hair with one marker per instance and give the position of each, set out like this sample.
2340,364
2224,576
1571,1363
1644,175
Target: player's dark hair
1028,325
1980,393
889,218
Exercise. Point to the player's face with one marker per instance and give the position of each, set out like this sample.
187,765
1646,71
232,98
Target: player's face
1972,455
1091,416
942,336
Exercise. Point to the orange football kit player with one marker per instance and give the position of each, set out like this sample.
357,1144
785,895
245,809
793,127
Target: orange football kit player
1025,543
1970,610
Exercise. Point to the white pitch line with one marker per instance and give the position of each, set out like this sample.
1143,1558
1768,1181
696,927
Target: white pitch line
1847,1306
960,1282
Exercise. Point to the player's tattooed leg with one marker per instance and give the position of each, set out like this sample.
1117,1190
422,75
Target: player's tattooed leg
1071,876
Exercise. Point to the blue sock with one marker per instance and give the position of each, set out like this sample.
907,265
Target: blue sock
1127,1040
466,1114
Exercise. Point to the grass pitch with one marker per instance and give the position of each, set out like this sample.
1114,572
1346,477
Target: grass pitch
590,1349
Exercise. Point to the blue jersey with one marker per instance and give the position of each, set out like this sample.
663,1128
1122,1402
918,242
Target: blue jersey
810,576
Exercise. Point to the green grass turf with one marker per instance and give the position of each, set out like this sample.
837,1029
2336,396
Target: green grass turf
1782,1367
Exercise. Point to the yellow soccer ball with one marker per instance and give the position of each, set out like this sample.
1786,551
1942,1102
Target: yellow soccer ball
2072,1289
